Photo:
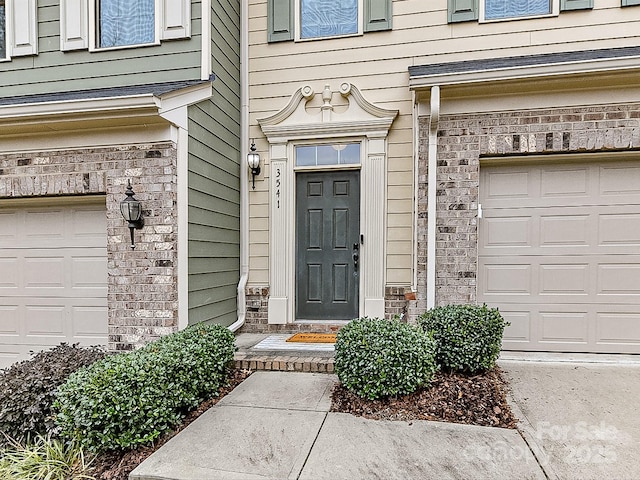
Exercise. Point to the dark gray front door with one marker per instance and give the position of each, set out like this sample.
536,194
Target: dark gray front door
328,245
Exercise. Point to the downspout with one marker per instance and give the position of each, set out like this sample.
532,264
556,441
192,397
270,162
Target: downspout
416,187
244,173
432,197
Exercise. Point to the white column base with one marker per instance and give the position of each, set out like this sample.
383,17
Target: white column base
278,308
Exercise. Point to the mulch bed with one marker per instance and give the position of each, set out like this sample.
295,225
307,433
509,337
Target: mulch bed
118,465
451,397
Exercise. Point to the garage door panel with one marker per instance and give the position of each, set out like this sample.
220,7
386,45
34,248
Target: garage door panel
508,185
508,231
620,181
519,330
53,285
619,279
564,327
564,182
88,274
564,279
619,229
87,322
42,272
9,279
43,322
574,283
9,321
569,230
45,225
618,328
506,279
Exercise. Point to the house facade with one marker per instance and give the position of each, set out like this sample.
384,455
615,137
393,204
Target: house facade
96,94
418,154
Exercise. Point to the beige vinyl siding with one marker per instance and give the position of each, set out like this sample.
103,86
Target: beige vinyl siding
55,71
377,64
214,183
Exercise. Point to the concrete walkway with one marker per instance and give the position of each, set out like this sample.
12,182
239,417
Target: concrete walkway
579,421
277,425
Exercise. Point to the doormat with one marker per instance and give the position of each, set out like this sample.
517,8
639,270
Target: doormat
313,338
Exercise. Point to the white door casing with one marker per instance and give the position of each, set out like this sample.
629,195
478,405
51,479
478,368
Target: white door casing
359,120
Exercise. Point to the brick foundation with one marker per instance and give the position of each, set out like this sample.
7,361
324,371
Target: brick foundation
142,284
463,140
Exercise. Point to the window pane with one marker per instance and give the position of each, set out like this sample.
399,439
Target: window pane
305,156
126,22
495,9
338,154
3,32
326,18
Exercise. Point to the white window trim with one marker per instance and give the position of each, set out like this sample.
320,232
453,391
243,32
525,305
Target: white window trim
298,25
93,29
21,29
8,30
555,11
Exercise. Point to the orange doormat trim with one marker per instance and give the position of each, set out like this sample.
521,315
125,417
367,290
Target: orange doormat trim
313,338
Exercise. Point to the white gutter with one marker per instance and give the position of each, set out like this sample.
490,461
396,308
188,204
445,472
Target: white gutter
244,173
581,67
432,197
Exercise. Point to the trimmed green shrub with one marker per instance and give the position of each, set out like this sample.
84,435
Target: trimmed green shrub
27,389
468,337
131,399
377,358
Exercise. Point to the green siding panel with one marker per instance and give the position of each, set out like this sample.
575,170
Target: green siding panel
50,71
214,180
629,3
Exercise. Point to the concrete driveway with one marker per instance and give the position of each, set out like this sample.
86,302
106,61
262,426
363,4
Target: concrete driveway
581,420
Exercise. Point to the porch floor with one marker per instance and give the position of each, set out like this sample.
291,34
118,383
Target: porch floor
265,351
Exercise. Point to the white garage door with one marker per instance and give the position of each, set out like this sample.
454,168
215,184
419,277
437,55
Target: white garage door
559,254
53,281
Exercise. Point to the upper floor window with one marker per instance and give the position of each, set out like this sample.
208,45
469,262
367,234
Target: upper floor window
109,24
497,10
126,22
3,31
309,19
329,18
504,9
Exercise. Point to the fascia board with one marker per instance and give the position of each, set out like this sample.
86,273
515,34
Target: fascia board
523,72
77,107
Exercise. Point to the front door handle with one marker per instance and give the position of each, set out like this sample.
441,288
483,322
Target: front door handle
356,255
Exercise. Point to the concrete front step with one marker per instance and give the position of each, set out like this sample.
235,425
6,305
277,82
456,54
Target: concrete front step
299,362
264,352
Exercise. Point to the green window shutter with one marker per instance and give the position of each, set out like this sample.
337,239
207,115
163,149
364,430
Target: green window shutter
378,15
462,10
628,3
575,4
279,20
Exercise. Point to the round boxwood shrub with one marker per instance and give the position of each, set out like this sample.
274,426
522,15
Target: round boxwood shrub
468,337
27,390
377,358
132,398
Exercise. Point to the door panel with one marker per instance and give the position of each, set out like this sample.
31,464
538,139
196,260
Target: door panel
328,226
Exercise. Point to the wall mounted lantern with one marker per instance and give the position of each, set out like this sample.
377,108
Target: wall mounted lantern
131,210
253,159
